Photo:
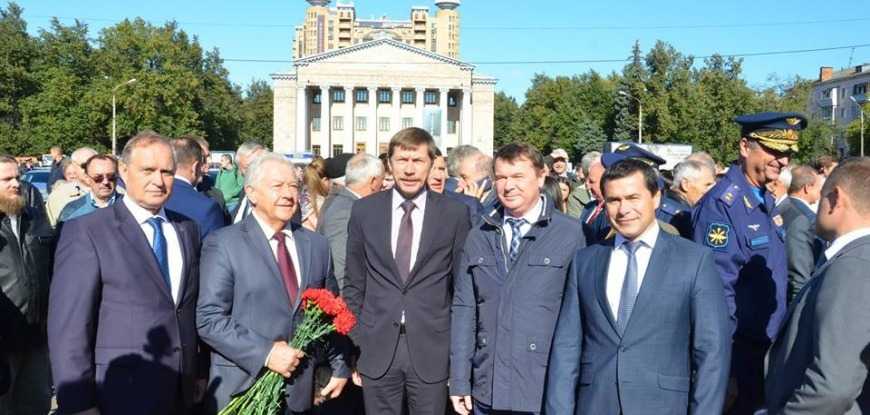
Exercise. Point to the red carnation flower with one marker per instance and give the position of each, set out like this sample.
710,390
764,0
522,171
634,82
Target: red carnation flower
344,323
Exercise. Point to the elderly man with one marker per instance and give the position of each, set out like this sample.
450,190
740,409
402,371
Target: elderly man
692,179
26,255
818,364
102,171
508,291
581,194
246,153
268,258
437,183
802,245
363,176
185,200
470,169
121,327
72,189
738,220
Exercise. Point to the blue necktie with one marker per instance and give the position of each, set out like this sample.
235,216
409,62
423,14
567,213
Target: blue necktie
514,247
629,291
158,245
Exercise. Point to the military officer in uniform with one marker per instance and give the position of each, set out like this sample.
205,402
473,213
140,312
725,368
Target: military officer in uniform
738,220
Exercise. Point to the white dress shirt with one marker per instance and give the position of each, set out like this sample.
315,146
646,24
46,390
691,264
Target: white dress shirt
619,264
290,242
844,240
13,223
416,222
531,217
173,244
240,213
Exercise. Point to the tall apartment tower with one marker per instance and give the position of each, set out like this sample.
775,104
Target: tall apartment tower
327,28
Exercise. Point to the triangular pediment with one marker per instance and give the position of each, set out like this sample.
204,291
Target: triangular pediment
380,51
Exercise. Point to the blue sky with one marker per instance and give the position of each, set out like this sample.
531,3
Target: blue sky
510,30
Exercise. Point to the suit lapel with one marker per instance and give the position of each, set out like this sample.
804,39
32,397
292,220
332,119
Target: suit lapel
386,238
426,234
600,269
132,233
303,252
257,240
656,274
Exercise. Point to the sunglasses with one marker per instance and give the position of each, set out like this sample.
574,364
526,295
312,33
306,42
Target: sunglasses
100,177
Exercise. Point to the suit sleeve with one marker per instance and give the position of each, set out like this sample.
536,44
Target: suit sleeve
338,348
728,258
74,299
840,335
711,339
355,269
335,229
463,315
800,251
214,219
564,367
214,321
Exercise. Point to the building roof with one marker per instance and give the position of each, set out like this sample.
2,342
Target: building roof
377,42
383,24
862,70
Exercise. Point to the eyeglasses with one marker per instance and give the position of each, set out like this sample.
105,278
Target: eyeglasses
100,177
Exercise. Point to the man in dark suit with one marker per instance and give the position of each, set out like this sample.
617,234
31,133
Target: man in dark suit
185,199
363,175
403,248
121,329
818,364
508,291
802,245
253,276
644,327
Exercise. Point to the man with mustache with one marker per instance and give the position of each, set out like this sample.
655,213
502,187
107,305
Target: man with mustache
103,172
739,221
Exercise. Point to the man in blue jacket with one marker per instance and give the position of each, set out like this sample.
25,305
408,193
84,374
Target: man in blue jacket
507,292
185,199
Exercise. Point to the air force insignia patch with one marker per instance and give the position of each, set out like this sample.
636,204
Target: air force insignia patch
717,235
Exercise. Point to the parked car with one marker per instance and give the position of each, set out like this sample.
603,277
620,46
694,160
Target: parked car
39,179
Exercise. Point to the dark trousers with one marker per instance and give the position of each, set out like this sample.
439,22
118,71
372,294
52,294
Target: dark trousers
747,369
484,409
385,395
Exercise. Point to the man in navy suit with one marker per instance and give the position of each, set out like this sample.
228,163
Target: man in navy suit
185,199
644,327
121,329
253,276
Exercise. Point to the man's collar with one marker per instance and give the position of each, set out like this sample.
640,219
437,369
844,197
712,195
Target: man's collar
419,200
838,244
141,214
267,230
532,215
183,179
648,237
93,201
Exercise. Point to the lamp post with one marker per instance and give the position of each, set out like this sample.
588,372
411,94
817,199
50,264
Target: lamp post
860,107
639,115
114,135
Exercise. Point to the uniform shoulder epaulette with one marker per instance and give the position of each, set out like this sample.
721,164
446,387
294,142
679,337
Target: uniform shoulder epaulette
730,194
670,207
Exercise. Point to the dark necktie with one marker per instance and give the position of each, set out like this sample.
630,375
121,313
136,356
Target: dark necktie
285,265
628,294
158,245
404,241
514,246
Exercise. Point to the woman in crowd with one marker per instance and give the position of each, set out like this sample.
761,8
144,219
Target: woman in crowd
557,190
314,194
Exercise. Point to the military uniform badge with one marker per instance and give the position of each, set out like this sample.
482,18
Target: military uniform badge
717,235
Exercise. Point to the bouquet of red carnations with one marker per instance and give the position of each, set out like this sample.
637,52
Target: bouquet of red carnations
323,313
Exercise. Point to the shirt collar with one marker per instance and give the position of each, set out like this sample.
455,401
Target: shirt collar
177,177
353,193
648,237
141,214
93,202
844,240
267,230
419,200
532,215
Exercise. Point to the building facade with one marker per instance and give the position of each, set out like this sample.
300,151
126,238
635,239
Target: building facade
327,28
838,95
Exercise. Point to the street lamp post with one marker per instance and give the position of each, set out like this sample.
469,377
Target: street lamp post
639,115
114,135
860,107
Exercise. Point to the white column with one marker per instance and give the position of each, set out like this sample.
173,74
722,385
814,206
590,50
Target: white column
372,122
325,122
465,118
418,109
349,145
442,99
301,140
396,122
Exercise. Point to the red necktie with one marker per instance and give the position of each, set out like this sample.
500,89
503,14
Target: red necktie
285,265
595,213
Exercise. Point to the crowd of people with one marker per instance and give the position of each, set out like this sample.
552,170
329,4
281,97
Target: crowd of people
485,284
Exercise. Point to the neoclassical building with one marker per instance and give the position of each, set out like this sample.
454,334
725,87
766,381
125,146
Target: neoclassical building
355,98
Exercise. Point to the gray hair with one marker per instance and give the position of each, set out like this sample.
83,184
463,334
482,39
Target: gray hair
705,158
247,148
689,169
256,168
362,167
144,139
458,155
785,177
801,176
588,160
82,154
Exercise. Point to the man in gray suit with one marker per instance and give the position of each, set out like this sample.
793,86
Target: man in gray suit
363,176
644,327
799,217
252,278
819,364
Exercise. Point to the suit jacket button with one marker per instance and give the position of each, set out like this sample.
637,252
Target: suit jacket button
533,347
546,261
480,260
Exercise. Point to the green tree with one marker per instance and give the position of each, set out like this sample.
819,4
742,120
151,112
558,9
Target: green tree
18,51
257,113
506,109
630,92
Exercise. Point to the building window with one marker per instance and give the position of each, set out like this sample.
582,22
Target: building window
316,150
315,98
407,122
360,123
451,126
337,149
859,89
385,96
315,124
337,123
430,97
362,95
360,148
451,100
842,92
384,124
338,95
408,96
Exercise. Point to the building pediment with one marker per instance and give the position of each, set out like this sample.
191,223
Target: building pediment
382,51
